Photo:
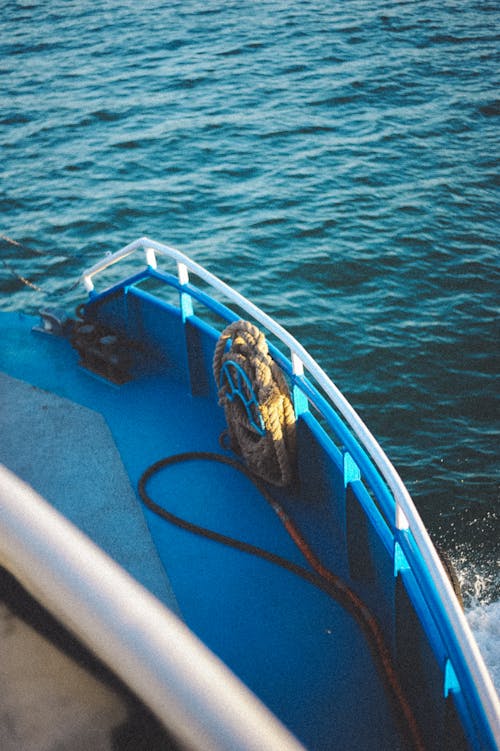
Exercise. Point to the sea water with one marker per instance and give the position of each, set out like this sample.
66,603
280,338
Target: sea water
335,161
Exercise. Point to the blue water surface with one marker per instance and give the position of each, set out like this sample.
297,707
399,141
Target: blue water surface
334,161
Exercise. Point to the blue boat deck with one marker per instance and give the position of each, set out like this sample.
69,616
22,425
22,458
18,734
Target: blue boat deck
295,647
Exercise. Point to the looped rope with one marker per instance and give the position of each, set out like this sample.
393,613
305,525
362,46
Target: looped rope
259,410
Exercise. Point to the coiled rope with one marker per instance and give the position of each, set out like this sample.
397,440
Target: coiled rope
257,404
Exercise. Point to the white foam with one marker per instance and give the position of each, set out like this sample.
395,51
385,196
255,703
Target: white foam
484,620
480,584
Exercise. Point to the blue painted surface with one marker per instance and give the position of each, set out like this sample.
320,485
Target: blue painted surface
341,152
296,648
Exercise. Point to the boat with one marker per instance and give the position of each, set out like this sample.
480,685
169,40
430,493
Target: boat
204,520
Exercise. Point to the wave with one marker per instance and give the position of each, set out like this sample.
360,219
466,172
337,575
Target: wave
484,620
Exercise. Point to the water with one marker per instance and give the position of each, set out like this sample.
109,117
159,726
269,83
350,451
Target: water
336,162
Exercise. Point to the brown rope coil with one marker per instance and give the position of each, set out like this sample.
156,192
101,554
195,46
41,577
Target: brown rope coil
259,412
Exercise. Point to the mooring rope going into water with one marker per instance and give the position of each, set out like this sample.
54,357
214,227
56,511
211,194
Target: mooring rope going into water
320,576
27,282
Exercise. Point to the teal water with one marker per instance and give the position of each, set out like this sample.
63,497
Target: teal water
335,162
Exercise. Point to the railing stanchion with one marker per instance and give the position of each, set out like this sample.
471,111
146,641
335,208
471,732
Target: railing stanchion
183,273
300,401
401,520
186,301
151,257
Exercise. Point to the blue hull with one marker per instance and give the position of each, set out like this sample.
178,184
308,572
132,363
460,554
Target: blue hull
304,651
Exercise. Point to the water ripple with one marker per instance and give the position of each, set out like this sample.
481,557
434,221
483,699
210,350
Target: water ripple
337,162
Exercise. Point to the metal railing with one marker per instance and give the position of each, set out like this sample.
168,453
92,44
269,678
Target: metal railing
464,655
196,697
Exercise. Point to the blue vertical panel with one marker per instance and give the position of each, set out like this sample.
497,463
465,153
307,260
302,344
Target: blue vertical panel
420,668
369,550
320,509
200,343
110,310
158,326
199,375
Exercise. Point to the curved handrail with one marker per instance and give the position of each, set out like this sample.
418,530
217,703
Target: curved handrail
407,517
189,689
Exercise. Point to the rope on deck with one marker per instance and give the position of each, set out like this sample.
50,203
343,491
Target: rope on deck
257,404
319,576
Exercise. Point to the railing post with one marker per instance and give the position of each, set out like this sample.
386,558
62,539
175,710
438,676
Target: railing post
186,301
450,683
400,560
350,469
300,402
401,520
151,257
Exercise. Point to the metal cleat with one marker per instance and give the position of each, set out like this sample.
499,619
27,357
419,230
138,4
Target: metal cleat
53,321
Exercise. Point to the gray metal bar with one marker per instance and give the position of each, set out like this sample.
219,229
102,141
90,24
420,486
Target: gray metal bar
188,688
